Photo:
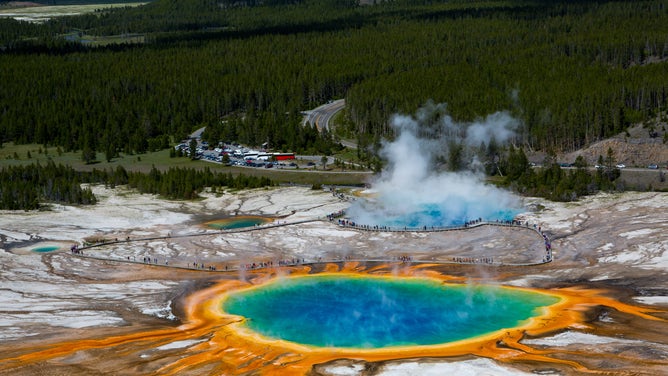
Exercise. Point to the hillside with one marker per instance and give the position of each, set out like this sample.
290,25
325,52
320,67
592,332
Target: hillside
633,148
637,148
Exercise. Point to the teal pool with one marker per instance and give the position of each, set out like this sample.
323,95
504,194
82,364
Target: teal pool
373,312
238,222
45,249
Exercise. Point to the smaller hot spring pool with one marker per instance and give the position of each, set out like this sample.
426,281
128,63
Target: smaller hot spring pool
45,249
238,222
377,312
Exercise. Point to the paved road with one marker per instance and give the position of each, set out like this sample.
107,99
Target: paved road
198,133
630,169
321,116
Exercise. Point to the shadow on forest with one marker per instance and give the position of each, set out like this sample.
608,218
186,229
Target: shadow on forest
191,34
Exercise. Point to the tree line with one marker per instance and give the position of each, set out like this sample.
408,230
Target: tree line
30,187
187,183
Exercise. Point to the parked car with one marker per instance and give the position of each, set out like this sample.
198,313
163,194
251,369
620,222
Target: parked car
653,167
621,165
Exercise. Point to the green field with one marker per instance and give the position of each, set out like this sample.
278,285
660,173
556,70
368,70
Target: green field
95,40
42,13
79,2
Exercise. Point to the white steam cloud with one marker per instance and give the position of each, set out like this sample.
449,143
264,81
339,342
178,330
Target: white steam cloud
414,190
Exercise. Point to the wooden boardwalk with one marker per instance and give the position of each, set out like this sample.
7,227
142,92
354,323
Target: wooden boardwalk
79,251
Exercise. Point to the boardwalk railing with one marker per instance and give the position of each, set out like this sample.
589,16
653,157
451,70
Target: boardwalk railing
79,251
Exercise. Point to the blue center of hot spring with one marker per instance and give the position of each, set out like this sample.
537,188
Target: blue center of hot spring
236,223
45,249
372,312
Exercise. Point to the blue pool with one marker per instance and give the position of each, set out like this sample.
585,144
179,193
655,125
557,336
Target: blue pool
238,222
45,249
376,312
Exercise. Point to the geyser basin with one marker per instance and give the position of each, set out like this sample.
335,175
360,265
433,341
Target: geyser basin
238,222
377,312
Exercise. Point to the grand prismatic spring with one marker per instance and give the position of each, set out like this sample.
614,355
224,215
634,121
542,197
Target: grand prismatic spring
363,312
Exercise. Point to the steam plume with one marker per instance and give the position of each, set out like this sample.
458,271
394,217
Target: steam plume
414,190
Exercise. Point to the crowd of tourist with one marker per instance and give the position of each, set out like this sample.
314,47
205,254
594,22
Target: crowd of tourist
75,249
201,266
513,222
404,259
335,215
473,260
548,248
473,222
270,264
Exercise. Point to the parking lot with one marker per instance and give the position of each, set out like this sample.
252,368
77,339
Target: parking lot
233,154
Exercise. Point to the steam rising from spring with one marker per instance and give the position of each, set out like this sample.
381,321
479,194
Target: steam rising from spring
415,189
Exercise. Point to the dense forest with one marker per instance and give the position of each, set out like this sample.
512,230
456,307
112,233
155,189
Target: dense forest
28,187
573,71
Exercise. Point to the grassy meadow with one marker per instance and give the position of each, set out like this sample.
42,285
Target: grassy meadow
42,13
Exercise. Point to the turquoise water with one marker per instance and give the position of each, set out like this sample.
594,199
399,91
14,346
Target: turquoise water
366,312
234,223
432,215
451,213
45,249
